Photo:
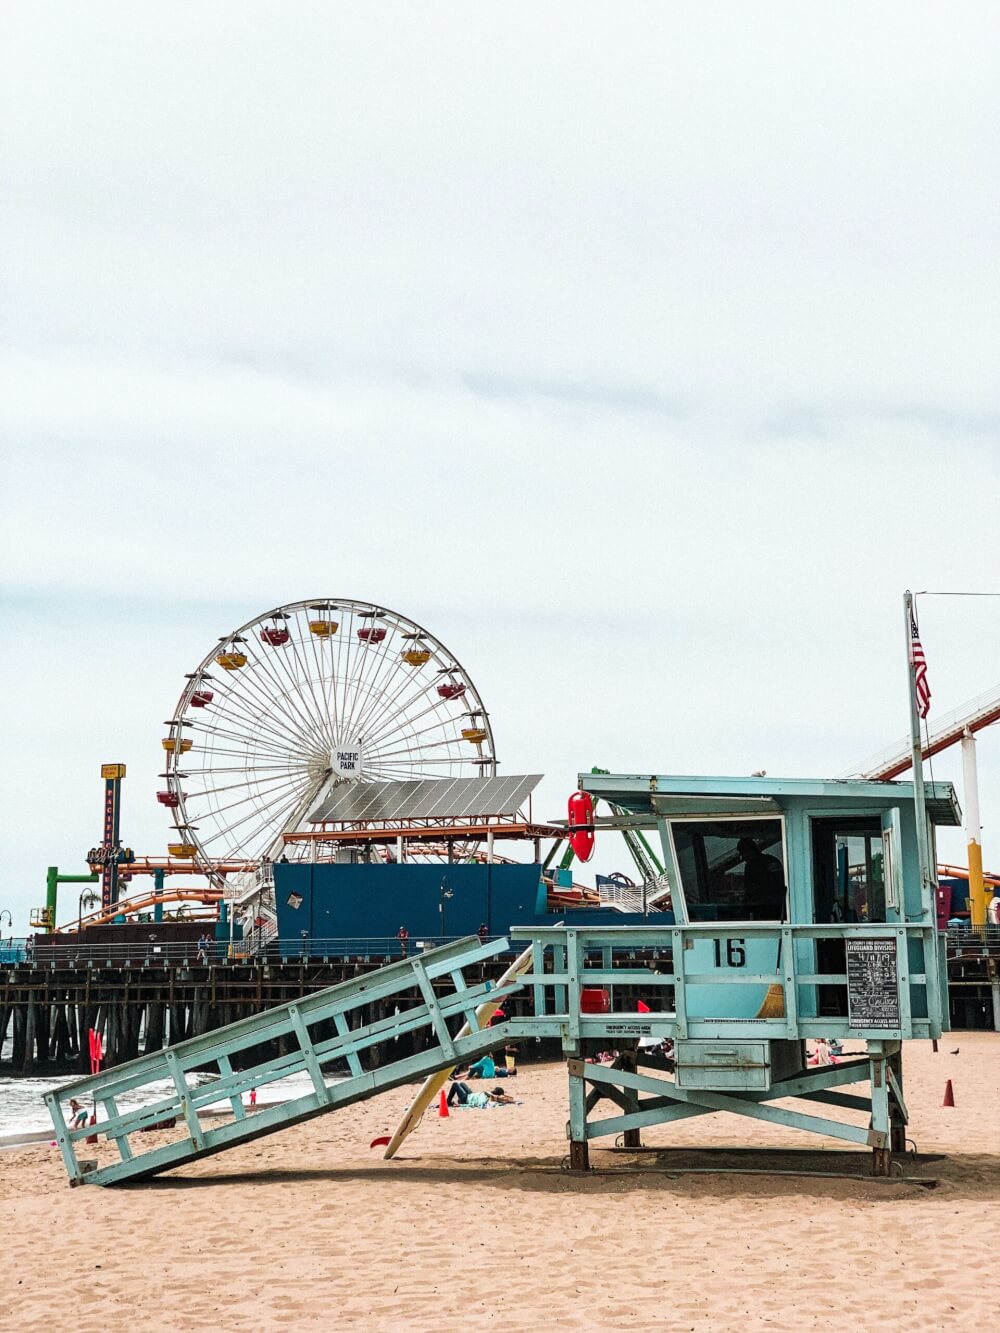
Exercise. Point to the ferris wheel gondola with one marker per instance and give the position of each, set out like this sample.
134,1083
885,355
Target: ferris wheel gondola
306,696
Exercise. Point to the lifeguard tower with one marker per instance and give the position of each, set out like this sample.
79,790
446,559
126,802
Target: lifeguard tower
801,910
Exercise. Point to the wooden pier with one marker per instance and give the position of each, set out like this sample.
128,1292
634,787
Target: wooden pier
144,1004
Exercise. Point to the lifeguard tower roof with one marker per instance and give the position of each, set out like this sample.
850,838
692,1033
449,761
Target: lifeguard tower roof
659,794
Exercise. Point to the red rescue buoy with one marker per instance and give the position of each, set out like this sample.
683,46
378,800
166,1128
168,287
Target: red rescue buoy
581,813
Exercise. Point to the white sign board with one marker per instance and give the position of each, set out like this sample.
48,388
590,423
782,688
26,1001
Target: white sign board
346,761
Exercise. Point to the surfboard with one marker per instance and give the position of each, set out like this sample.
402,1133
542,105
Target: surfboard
433,1083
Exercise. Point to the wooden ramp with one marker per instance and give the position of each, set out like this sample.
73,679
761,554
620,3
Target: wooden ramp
333,1025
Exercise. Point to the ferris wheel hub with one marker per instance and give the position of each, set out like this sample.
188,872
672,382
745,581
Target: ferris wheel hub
347,761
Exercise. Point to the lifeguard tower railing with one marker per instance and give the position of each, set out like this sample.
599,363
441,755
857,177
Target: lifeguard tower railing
654,960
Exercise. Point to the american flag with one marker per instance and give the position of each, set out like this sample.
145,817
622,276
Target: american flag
919,663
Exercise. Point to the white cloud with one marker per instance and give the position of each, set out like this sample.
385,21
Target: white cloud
645,354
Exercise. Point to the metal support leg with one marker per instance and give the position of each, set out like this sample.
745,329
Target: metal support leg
632,1138
879,1135
579,1153
897,1112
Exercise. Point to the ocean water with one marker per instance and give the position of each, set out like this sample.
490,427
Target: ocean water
22,1107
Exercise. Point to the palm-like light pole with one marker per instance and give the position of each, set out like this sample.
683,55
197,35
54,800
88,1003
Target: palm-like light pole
444,894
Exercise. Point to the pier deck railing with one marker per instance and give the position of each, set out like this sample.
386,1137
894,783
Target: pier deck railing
53,952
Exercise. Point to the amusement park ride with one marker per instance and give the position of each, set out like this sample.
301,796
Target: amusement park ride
331,763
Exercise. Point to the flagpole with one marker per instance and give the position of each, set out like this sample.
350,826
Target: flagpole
927,904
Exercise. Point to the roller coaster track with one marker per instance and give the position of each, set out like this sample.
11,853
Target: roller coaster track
895,759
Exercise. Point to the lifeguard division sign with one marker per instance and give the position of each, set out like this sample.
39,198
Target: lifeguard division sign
872,987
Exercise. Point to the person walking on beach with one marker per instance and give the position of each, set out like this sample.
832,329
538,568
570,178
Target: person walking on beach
79,1116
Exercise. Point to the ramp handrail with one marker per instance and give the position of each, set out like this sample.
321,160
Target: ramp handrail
318,1029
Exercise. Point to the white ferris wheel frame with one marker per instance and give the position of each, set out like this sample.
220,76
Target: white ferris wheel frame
265,745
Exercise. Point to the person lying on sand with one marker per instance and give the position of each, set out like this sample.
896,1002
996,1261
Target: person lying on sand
460,1094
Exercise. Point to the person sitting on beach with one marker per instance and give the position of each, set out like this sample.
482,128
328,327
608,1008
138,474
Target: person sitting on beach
79,1118
821,1053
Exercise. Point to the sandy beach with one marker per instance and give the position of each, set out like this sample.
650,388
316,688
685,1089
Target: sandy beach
476,1225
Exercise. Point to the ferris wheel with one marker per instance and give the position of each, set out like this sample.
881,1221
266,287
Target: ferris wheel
305,696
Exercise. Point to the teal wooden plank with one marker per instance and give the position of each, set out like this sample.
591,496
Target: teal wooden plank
573,971
880,1105
437,1021
236,1102
537,972
309,1059
654,1111
561,993
732,979
348,1050
830,1097
789,981
576,1128
903,981
187,1109
121,1140
778,1115
680,997
63,1139
897,1092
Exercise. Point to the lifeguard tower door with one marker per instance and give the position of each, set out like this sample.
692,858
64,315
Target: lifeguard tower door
849,888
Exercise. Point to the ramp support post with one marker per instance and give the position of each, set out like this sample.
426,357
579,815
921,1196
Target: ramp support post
631,1138
576,1130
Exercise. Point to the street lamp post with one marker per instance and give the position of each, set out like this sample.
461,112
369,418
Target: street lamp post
89,897
444,894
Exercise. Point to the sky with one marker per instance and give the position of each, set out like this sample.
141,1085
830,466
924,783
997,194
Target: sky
645,354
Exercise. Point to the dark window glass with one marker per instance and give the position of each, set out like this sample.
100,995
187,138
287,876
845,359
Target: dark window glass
731,869
848,871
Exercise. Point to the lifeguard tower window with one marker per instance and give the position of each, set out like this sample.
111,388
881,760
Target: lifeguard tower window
848,871
731,869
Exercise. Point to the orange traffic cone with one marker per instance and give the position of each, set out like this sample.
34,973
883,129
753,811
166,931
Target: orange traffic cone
91,1138
949,1095
443,1111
